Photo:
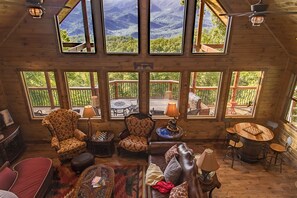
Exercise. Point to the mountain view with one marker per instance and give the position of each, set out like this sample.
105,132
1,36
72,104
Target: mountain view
121,18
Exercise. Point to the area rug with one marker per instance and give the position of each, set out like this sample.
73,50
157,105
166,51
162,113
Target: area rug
128,182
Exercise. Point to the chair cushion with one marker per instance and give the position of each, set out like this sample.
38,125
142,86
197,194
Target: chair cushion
171,153
71,145
180,191
134,143
139,127
32,174
173,171
7,177
153,175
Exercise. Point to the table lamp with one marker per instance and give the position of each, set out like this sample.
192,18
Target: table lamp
89,113
207,163
172,112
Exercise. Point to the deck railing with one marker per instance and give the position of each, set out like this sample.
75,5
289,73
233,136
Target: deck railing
128,89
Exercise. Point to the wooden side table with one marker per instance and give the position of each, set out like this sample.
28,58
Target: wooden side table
12,144
102,145
209,186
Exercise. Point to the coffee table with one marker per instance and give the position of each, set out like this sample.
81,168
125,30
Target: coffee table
84,188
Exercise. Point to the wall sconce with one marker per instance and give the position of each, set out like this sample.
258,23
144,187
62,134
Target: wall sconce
257,20
143,66
36,12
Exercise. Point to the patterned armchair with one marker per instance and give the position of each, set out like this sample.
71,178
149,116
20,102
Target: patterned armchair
66,138
137,135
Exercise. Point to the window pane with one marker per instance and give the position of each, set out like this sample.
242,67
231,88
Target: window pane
121,26
83,89
243,93
166,26
203,96
164,88
123,93
291,115
209,37
41,90
76,29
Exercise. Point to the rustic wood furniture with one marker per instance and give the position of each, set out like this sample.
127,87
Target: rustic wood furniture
12,143
253,136
102,144
84,188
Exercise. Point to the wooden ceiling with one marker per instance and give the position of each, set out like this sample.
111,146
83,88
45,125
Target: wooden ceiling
283,27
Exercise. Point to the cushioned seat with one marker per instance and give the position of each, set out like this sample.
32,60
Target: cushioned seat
34,176
82,161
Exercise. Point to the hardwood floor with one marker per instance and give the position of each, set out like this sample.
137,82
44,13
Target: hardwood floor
244,180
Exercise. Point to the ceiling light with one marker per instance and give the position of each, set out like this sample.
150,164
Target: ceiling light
257,20
36,12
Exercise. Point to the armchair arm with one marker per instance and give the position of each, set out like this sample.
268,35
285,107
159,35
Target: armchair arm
124,134
55,143
6,164
78,134
46,123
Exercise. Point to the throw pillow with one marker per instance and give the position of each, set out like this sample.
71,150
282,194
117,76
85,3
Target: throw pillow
180,191
153,175
7,178
7,194
173,171
171,153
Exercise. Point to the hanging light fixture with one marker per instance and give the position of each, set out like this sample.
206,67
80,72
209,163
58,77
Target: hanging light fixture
257,20
36,12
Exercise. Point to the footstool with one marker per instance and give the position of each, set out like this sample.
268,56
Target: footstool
82,161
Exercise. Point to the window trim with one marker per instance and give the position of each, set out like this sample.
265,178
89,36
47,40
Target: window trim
183,33
289,98
227,38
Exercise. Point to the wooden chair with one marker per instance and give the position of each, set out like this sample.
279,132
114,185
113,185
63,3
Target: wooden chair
278,151
234,145
137,135
272,126
67,140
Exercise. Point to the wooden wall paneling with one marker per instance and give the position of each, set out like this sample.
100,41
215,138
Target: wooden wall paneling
3,101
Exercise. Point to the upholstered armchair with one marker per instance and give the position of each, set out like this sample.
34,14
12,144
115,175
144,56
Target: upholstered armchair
137,135
67,140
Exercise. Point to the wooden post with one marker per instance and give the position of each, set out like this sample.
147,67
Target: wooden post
116,94
50,91
92,81
86,25
199,27
194,82
234,89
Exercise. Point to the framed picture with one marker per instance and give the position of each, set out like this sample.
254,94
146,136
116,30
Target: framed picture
7,117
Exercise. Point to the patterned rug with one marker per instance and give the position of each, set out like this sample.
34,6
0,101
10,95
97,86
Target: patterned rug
128,182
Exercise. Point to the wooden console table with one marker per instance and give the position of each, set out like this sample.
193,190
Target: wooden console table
12,144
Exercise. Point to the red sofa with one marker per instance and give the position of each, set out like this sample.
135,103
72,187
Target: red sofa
28,178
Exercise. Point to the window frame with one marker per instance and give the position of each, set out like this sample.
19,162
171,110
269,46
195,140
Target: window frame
104,34
56,20
183,33
257,96
27,94
195,117
97,73
227,38
289,98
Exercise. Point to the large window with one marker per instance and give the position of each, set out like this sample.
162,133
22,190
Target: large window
75,26
164,88
41,92
83,90
210,29
203,95
243,93
123,93
291,115
121,26
167,21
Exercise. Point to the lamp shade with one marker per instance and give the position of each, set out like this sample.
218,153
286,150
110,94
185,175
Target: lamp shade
35,12
172,110
207,161
88,112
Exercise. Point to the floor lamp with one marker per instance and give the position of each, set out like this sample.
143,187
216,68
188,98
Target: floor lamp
89,113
